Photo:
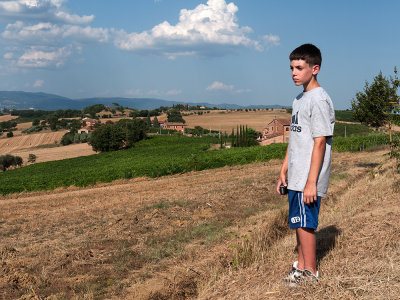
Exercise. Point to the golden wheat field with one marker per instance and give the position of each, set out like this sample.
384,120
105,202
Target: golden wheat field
7,118
215,234
44,145
228,120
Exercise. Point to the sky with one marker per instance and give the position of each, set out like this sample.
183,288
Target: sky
213,51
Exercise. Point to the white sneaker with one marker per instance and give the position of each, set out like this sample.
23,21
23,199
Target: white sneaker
294,276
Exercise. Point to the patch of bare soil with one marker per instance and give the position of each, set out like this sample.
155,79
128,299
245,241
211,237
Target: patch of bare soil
197,235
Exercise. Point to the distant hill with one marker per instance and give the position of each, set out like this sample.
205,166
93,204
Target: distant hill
44,101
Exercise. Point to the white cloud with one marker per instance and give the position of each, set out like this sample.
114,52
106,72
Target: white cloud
271,40
173,92
136,92
217,85
209,29
241,91
41,10
164,93
36,57
8,55
47,33
154,93
38,83
220,86
44,33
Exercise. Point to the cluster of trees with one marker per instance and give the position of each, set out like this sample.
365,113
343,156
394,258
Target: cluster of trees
92,110
148,113
174,115
8,160
187,107
199,131
7,125
122,134
75,137
244,137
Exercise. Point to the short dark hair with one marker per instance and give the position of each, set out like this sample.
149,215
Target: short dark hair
307,52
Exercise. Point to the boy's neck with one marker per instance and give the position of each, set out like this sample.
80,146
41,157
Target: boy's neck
312,84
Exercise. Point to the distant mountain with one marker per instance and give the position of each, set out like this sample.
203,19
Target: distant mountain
44,101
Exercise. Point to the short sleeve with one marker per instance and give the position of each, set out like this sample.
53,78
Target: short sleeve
322,118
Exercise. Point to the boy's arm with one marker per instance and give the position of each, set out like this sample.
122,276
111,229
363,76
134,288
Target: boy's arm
310,190
283,173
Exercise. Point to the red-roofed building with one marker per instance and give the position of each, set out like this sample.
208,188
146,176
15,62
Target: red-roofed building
175,126
277,130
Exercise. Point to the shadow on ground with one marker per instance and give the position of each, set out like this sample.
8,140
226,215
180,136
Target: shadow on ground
326,240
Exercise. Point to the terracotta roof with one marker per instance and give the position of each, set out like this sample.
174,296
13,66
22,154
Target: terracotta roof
272,135
284,122
175,124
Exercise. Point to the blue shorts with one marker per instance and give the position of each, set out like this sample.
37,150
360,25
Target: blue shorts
301,214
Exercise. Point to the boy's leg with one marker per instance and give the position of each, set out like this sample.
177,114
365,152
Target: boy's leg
300,260
307,249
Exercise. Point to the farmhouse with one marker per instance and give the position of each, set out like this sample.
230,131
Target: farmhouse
276,131
175,126
90,125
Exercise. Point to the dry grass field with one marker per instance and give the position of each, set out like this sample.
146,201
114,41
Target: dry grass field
44,145
16,143
215,234
7,118
226,120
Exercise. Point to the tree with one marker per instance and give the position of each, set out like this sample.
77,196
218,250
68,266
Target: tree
156,124
123,134
92,110
107,138
67,139
10,134
35,122
133,131
375,104
148,120
174,115
8,160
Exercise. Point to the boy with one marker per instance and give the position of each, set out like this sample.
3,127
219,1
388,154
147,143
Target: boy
305,170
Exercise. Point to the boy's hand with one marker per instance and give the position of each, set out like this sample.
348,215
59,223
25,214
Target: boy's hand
282,180
310,193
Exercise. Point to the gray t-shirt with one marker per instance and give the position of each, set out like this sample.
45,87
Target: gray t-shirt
313,116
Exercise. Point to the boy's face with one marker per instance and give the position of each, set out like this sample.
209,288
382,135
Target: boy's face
302,73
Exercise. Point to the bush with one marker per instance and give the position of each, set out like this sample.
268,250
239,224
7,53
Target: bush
10,134
33,129
32,158
8,160
67,139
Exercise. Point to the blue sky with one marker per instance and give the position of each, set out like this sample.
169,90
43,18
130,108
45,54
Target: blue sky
212,51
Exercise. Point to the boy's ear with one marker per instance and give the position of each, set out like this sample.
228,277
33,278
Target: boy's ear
315,69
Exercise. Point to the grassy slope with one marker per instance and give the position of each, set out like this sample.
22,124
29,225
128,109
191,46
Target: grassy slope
154,157
207,235
358,247
158,156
